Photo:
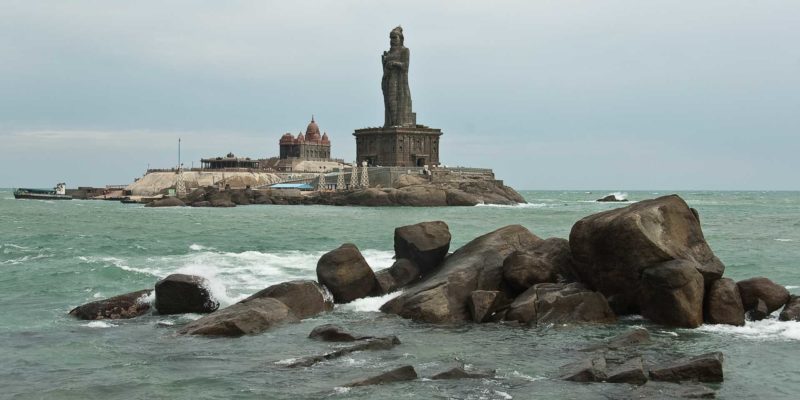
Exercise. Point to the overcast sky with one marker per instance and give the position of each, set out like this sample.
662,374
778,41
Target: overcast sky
618,95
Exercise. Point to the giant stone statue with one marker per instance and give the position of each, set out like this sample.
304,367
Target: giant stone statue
396,94
400,142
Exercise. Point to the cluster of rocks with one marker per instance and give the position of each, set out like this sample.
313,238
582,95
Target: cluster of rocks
335,333
406,192
618,361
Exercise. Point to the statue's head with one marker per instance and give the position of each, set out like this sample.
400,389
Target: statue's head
396,37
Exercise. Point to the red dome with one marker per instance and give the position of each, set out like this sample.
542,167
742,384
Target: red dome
300,137
312,131
287,138
325,139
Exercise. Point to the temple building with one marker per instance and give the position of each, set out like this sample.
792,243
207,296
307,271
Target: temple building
310,146
230,161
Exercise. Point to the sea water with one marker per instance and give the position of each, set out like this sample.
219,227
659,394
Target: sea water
55,255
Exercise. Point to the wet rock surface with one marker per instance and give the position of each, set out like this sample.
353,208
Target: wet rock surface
753,289
404,373
124,306
560,303
334,333
791,311
378,343
702,368
345,272
305,298
723,303
180,293
425,244
672,294
246,318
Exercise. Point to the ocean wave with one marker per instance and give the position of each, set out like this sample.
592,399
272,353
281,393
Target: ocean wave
517,206
766,329
784,240
369,304
234,276
99,325
24,259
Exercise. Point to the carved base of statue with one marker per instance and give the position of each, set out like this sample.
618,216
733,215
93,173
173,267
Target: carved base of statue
398,146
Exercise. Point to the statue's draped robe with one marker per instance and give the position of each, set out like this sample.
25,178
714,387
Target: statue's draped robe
396,94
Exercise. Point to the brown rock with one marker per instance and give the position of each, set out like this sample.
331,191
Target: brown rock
723,303
632,371
124,306
522,270
483,303
345,272
758,312
612,248
425,244
587,370
166,202
672,294
669,390
774,295
443,295
702,368
791,311
398,276
180,293
334,333
458,372
404,373
305,298
560,303
381,343
244,318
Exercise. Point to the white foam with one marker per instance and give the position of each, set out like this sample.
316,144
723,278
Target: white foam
503,394
369,304
518,205
792,287
198,247
517,374
99,324
785,240
341,389
97,295
766,329
286,361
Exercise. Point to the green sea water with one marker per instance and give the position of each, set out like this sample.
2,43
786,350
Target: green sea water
55,255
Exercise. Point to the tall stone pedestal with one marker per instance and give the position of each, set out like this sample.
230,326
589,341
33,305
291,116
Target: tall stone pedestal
398,146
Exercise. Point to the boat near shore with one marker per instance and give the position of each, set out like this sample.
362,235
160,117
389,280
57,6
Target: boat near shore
57,193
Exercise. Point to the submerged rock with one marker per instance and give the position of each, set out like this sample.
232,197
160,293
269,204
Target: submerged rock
345,272
379,343
668,390
702,368
244,318
305,298
180,293
586,370
613,248
124,306
334,333
632,371
443,296
458,372
404,373
633,337
723,303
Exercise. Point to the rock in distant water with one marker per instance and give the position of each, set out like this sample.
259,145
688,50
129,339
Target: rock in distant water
560,303
404,373
773,295
612,248
124,306
179,293
672,294
345,272
443,296
611,198
702,368
166,202
723,303
425,244
305,298
791,312
247,318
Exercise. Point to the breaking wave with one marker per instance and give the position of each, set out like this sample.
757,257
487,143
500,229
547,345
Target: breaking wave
766,329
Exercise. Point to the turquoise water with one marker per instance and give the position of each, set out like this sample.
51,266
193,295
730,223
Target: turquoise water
55,255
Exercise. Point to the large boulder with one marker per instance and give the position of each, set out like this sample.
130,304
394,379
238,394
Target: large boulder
773,295
400,274
791,311
243,318
547,261
425,244
478,265
180,293
334,333
124,306
305,298
345,272
723,303
612,248
404,373
672,294
560,303
702,368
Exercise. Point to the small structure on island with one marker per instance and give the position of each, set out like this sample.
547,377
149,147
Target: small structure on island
340,185
401,141
354,175
230,161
